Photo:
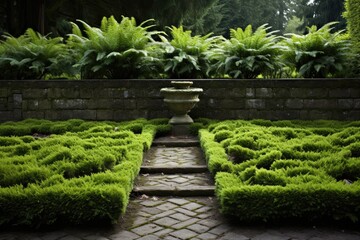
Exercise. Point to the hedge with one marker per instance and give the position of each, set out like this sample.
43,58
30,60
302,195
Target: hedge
85,174
285,169
312,202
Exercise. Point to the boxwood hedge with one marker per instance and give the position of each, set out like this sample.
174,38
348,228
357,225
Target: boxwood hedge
285,169
72,171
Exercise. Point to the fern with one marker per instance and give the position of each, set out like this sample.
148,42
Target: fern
318,54
116,50
187,56
32,56
247,54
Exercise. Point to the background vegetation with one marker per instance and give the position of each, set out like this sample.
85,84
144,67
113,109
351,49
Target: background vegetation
127,50
200,16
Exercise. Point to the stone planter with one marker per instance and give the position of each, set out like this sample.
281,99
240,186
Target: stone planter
181,99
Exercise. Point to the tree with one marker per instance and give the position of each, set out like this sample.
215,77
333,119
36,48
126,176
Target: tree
321,12
240,13
51,15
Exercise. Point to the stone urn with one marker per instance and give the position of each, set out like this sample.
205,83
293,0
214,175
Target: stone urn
181,98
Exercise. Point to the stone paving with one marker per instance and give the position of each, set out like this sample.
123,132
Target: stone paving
174,180
174,157
151,217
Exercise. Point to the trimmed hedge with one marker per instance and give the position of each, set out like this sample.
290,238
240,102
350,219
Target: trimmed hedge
82,175
271,203
287,169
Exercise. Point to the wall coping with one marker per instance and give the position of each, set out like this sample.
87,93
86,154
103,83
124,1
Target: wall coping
293,82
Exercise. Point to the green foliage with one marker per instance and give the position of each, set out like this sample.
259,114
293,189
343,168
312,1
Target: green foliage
318,54
249,53
281,165
32,56
313,202
186,56
116,50
124,50
223,135
240,153
83,173
353,25
36,206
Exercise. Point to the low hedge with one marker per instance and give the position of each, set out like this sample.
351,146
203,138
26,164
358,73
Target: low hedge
288,160
84,174
312,202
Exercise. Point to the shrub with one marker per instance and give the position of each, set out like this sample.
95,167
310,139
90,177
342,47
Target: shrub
240,153
223,135
244,141
268,178
32,56
318,54
73,168
116,50
313,202
35,206
355,149
291,170
186,56
249,53
266,160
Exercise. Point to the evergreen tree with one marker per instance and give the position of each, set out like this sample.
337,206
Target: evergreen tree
321,12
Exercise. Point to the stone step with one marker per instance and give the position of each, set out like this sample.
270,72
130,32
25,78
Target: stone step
176,142
189,191
174,170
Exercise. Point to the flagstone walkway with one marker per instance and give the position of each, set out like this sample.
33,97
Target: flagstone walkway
174,199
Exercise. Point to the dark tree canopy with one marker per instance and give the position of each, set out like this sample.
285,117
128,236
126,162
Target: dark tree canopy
201,16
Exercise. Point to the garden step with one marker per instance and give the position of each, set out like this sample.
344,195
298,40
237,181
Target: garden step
189,191
174,170
176,142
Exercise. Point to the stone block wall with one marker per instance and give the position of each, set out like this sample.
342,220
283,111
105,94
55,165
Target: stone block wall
222,99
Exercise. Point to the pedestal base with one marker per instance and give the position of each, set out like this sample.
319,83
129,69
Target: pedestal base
180,130
181,120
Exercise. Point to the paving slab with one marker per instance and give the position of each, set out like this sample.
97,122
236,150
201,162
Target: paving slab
174,157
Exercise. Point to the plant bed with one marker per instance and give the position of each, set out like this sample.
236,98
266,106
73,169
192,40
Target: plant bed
269,171
76,172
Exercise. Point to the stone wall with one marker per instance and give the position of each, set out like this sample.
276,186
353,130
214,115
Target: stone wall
222,99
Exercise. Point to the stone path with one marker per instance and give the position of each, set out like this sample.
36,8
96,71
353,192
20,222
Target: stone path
173,199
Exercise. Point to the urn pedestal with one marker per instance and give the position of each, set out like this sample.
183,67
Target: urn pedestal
181,99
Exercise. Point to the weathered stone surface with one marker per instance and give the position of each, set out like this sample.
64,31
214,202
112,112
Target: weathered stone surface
255,103
357,103
319,104
281,93
4,92
275,103
250,92
70,104
33,114
345,103
263,92
36,93
17,100
294,103
104,115
222,99
340,93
